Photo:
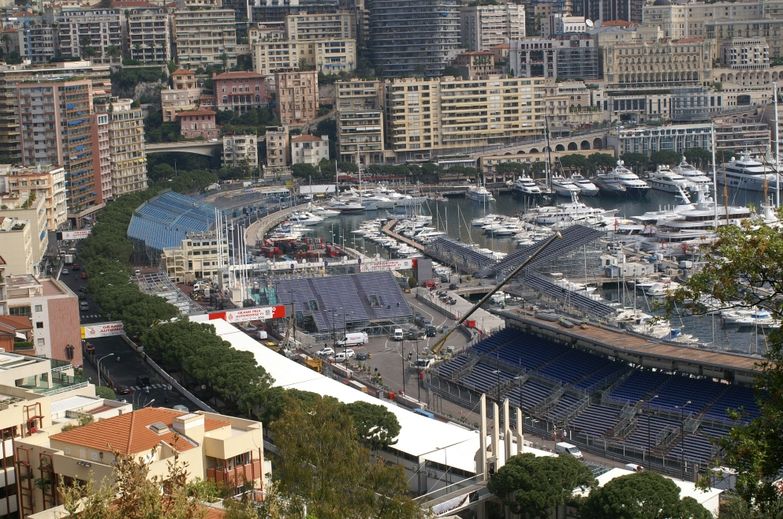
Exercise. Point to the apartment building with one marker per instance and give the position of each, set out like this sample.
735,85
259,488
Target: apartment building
46,182
426,116
240,150
57,126
560,23
205,37
278,151
413,37
605,10
658,64
94,34
102,151
54,311
297,96
16,240
184,94
11,75
320,26
37,41
484,26
735,135
476,64
197,257
309,149
238,91
221,449
28,214
126,148
649,139
745,54
564,57
359,105
198,124
148,36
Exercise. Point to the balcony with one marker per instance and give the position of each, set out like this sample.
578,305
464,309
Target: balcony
236,476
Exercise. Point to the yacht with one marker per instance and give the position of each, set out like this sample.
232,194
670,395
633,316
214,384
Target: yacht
564,186
755,316
664,179
305,218
479,194
748,173
585,185
569,212
347,207
524,185
610,183
323,212
624,177
694,176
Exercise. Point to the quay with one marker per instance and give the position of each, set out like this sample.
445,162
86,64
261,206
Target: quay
256,231
388,230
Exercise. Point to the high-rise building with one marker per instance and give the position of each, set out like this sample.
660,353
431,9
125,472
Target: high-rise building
297,96
37,41
605,10
126,144
413,37
563,57
48,184
359,105
484,26
205,37
57,126
94,34
148,34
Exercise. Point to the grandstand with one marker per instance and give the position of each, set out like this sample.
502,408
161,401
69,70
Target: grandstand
601,404
165,220
458,255
371,301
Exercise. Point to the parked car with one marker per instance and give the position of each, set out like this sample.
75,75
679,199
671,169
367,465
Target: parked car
362,355
84,305
65,272
430,330
325,352
75,267
342,356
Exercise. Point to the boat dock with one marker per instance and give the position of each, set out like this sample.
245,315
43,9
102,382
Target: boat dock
388,230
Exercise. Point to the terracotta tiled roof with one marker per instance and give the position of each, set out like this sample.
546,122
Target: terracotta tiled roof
238,74
192,113
16,322
130,433
182,72
306,138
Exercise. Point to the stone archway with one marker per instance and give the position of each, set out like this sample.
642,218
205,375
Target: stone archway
598,143
584,145
559,147
534,150
572,146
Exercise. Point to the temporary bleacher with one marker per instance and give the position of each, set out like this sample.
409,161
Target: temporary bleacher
575,299
733,397
596,420
165,220
640,386
462,256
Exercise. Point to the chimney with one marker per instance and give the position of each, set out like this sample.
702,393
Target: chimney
190,425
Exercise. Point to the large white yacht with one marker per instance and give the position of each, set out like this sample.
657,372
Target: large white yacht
692,174
585,185
564,186
664,179
479,194
622,180
524,185
573,211
748,173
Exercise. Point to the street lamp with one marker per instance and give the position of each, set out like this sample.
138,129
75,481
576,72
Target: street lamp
682,437
98,365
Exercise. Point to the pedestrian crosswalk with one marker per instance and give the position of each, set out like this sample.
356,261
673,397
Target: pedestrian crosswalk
151,386
91,316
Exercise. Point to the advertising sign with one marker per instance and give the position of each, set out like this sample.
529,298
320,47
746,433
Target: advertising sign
109,329
255,313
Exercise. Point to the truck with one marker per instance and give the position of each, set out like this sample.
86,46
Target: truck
568,450
354,339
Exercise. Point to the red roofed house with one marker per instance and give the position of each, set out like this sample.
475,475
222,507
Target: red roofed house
16,331
226,450
239,91
309,149
198,124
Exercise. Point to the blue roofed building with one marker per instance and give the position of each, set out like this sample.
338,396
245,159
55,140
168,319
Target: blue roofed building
164,221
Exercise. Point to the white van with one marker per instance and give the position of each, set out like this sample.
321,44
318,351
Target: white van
568,449
354,339
398,334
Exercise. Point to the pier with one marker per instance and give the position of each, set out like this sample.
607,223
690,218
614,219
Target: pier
388,230
259,228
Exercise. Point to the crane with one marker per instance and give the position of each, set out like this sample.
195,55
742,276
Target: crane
439,345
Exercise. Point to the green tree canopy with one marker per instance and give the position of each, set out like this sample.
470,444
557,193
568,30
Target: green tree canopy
639,496
533,486
376,426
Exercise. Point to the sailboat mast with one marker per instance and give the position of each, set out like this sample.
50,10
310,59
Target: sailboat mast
548,153
777,145
714,175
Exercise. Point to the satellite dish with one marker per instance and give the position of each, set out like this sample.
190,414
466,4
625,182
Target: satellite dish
589,23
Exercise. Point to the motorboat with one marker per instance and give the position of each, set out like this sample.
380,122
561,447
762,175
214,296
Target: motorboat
573,211
305,218
748,173
664,179
347,207
585,185
564,186
524,185
622,177
479,194
755,316
694,176
323,212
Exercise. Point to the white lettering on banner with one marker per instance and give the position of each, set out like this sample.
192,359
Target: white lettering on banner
250,314
394,264
110,329
76,235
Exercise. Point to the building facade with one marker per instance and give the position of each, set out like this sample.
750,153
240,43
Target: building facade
205,37
126,144
402,44
647,140
148,34
48,184
565,57
94,34
745,54
240,92
359,105
57,126
297,96
240,151
426,116
277,147
484,26
198,124
197,257
309,149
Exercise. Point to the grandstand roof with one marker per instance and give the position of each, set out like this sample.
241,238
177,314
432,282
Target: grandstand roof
165,220
353,298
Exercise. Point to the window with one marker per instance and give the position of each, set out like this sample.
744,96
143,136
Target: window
41,342
39,325
39,308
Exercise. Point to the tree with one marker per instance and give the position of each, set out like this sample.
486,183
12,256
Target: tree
601,161
745,265
665,157
635,161
323,465
699,157
376,426
639,496
533,486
